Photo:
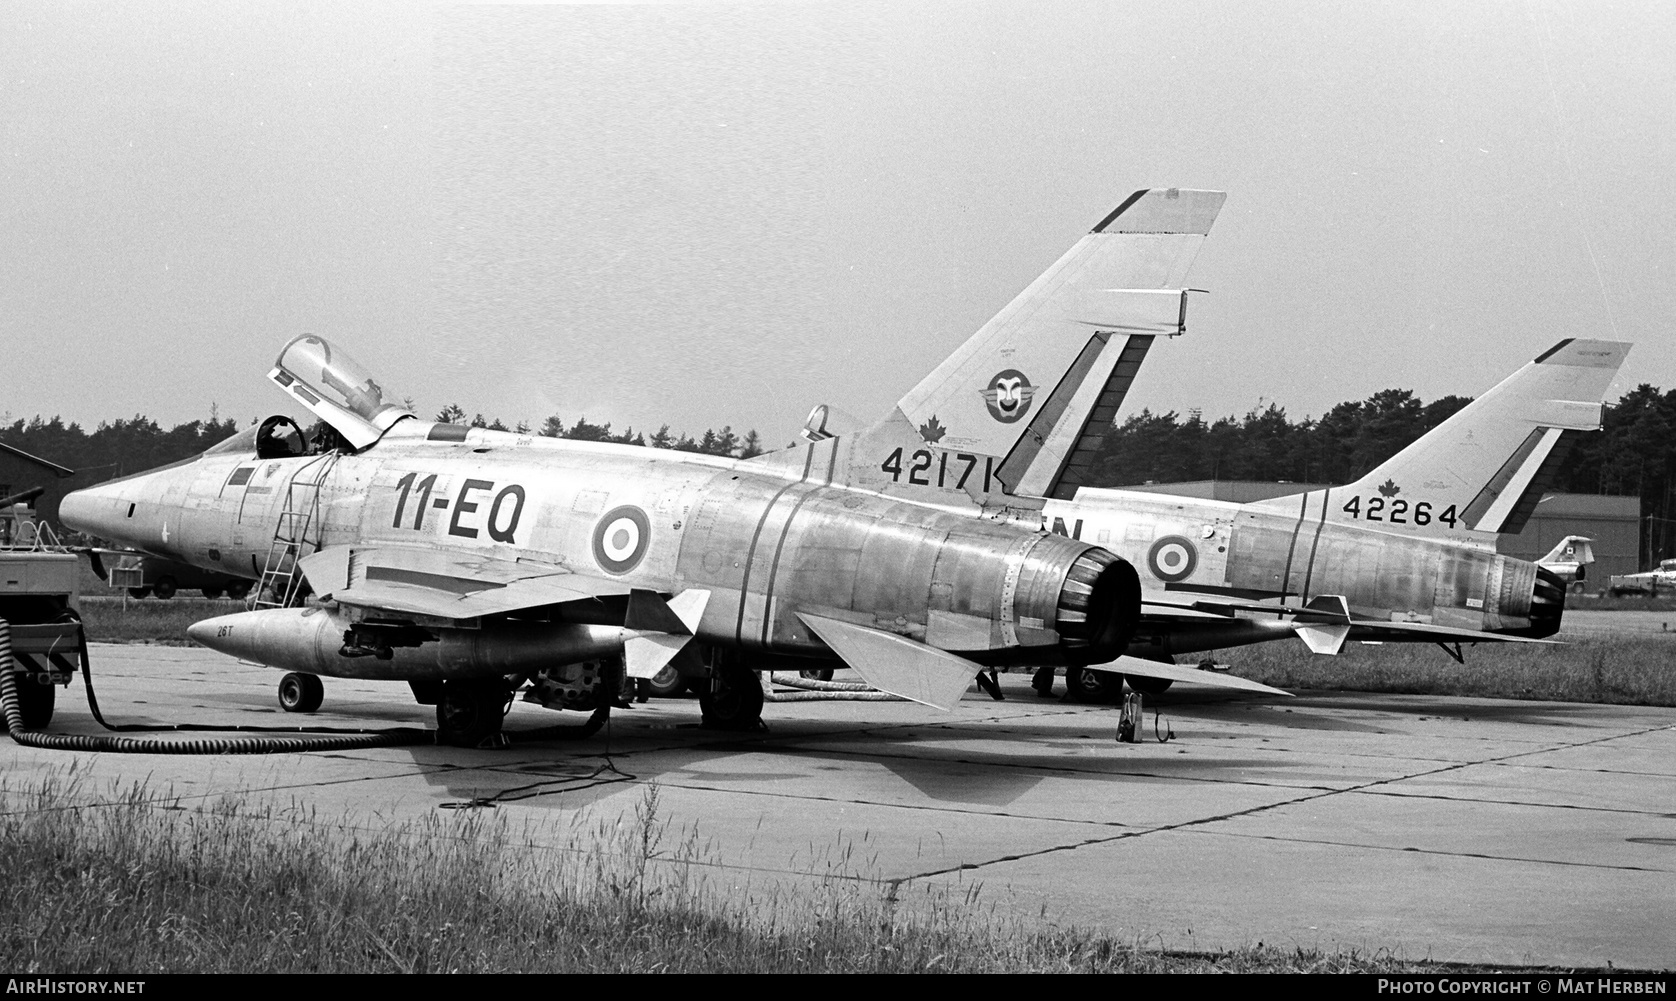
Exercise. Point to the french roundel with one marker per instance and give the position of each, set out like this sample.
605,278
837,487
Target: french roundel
621,539
1172,558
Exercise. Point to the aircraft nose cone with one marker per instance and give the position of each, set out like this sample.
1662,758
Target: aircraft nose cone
93,510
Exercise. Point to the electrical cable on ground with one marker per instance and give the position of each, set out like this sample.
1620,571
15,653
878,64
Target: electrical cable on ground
265,739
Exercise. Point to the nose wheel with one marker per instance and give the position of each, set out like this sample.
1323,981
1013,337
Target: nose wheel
301,693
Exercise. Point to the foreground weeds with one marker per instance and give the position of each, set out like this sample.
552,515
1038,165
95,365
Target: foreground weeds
129,882
129,620
1616,671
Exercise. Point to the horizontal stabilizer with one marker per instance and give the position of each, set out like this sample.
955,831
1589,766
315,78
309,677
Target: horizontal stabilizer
1175,672
897,664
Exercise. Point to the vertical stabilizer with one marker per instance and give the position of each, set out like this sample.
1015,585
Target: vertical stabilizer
1019,401
1485,468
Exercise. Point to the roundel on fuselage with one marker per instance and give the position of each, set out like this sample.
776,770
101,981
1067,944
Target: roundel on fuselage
1172,558
621,539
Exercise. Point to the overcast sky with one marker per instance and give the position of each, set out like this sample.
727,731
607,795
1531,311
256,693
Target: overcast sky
709,214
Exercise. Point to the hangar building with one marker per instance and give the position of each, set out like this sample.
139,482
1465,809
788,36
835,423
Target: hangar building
20,471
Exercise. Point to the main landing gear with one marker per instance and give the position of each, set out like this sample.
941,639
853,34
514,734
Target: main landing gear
470,711
731,699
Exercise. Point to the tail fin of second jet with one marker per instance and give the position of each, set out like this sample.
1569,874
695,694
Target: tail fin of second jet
1013,409
1485,468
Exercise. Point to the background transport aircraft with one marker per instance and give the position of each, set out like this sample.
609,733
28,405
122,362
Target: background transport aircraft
458,558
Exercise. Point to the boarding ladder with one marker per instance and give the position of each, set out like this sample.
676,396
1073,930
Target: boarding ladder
281,580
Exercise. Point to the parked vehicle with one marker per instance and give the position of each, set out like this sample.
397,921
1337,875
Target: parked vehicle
1650,582
145,576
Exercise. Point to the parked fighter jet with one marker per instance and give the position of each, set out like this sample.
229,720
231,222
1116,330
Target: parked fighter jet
1569,560
462,560
1405,554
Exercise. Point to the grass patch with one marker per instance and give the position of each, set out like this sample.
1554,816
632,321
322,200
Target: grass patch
128,882
1607,603
136,620
1611,670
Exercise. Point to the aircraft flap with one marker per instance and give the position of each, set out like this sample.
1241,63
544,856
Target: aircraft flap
897,664
443,584
1175,672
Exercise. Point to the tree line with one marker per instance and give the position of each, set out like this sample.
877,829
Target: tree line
1635,453
711,442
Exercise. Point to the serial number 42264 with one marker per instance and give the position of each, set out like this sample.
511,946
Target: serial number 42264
1398,512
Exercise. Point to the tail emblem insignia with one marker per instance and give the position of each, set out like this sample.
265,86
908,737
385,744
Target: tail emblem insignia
1009,395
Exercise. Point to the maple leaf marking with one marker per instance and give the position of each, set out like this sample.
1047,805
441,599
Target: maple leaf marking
1389,488
932,431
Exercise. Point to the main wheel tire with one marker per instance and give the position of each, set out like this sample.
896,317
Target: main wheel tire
163,587
470,711
139,592
667,683
1148,686
212,592
1083,685
239,591
816,673
738,703
301,693
34,701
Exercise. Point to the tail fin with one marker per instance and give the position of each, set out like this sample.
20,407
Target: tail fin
1020,398
1486,467
1572,551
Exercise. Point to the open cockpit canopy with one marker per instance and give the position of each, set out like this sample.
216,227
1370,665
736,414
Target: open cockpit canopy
325,379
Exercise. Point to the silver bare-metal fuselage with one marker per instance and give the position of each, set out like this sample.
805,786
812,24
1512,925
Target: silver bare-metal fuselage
766,543
1186,548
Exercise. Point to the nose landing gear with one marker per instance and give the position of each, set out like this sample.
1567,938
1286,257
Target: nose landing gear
301,693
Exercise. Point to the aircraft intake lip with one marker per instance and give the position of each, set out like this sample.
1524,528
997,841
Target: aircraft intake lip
1099,607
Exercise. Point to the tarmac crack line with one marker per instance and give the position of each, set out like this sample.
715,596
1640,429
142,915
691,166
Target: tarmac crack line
1202,821
1435,851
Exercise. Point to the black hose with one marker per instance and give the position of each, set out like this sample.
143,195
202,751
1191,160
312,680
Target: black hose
294,739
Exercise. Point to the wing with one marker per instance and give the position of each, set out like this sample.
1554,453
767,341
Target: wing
446,585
